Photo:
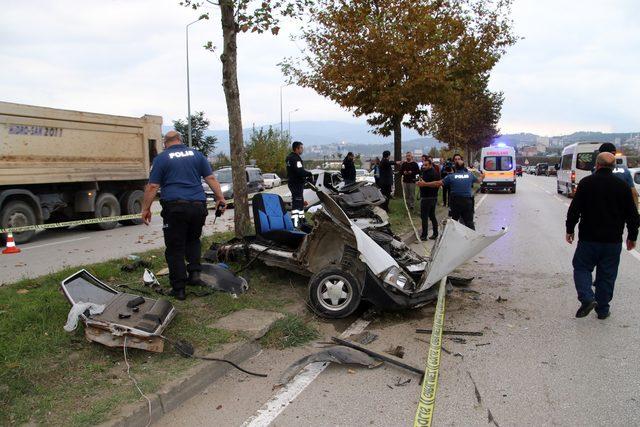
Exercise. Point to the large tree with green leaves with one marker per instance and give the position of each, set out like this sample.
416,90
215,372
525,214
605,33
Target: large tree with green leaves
389,60
199,125
241,16
268,148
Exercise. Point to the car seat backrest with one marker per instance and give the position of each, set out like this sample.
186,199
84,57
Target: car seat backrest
270,213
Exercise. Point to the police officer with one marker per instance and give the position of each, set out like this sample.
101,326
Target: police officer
348,169
386,178
620,171
460,183
178,171
296,175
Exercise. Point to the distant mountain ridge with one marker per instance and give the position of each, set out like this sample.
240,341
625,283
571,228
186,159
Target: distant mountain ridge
357,137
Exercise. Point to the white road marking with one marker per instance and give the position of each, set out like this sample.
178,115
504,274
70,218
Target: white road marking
480,201
634,254
59,242
278,403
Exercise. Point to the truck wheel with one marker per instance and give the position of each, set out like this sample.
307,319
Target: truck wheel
18,214
334,293
107,205
131,203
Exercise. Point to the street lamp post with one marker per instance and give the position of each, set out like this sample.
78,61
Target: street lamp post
292,111
188,86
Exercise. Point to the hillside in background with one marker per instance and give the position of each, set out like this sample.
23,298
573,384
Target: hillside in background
326,138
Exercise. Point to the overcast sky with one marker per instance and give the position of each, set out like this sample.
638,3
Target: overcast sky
577,68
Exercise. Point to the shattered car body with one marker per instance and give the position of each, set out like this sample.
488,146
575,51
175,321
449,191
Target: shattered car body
360,200
347,264
140,319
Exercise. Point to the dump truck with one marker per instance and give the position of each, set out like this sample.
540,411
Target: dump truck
61,165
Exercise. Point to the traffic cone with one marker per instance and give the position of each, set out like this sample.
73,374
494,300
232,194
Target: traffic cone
11,246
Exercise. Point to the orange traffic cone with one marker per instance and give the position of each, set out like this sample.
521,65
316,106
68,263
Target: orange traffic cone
11,246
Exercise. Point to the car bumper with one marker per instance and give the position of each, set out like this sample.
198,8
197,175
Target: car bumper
387,297
498,185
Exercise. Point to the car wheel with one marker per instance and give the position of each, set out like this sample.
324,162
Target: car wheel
106,206
18,214
334,293
131,203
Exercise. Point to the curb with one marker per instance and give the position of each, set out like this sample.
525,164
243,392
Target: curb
178,391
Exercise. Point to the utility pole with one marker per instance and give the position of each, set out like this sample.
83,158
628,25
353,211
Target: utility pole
292,111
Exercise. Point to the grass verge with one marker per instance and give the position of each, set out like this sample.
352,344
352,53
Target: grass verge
290,331
49,376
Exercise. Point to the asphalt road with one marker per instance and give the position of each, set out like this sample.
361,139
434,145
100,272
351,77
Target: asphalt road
536,364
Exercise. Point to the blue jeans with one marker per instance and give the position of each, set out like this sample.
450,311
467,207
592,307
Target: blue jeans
605,258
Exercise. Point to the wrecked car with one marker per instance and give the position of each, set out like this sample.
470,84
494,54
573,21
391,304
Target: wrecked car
346,264
359,200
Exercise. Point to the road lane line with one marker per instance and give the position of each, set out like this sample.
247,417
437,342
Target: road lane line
60,242
480,201
278,403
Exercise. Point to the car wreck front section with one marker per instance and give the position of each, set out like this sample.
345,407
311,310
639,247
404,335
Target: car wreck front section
347,264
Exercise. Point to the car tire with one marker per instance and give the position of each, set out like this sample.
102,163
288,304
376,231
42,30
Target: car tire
513,190
18,214
334,293
107,205
131,203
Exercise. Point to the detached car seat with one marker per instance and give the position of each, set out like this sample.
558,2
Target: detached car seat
273,222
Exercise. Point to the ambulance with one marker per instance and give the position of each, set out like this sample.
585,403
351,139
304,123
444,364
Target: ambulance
498,163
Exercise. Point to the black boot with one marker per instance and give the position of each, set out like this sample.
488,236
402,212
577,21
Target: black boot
194,279
178,294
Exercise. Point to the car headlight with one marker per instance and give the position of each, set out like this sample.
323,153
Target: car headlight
225,187
397,279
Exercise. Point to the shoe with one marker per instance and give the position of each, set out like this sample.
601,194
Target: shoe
178,294
603,316
194,279
585,308
434,237
423,238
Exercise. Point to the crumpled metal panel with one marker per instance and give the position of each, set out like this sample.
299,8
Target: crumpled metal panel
456,245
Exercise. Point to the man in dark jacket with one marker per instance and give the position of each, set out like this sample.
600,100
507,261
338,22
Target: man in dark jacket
296,176
409,170
348,169
428,199
603,204
386,178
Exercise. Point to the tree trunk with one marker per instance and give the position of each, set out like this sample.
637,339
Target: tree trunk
229,60
397,155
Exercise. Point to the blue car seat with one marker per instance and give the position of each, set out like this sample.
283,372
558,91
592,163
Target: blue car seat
273,222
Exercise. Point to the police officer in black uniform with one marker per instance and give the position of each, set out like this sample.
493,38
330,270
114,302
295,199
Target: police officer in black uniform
460,184
349,169
297,175
178,170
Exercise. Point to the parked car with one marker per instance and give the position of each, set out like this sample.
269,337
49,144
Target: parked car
519,170
271,180
552,171
635,174
541,169
255,182
362,175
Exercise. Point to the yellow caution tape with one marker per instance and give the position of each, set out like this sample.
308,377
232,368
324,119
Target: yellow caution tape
75,223
426,404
